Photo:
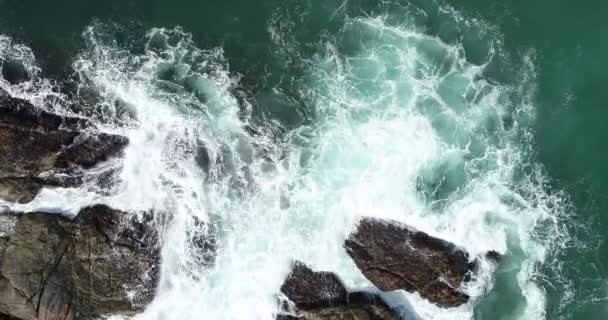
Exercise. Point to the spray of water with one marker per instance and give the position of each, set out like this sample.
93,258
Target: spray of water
403,127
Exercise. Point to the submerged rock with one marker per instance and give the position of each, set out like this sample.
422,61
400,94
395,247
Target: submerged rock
493,256
13,71
322,296
35,144
103,262
395,256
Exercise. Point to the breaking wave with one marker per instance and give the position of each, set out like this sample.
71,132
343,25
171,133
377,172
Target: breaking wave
401,123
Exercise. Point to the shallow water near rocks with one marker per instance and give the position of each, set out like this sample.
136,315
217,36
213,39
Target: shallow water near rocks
280,137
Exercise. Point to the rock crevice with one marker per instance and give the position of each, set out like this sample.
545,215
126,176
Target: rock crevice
395,256
103,262
39,148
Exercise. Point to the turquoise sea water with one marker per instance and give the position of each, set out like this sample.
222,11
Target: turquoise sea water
544,59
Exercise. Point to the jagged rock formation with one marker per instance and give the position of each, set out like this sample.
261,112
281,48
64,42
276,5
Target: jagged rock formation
395,256
322,296
104,261
38,148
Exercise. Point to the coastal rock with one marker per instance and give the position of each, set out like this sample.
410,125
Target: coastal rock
309,289
395,256
20,189
322,296
493,256
86,151
7,317
35,144
103,262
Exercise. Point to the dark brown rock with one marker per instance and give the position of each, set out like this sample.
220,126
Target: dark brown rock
367,312
493,256
35,144
395,256
7,317
88,150
322,296
20,189
103,262
22,113
309,289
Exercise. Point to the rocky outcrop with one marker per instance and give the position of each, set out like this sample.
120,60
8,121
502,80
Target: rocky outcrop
20,189
103,262
36,146
322,296
395,256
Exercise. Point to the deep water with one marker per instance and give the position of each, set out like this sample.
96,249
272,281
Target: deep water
495,111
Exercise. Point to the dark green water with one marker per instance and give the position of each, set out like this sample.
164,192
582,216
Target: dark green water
569,134
569,57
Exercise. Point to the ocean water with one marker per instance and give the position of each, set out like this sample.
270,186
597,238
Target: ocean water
280,123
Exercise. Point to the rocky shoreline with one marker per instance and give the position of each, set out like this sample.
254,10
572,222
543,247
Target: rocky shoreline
38,149
106,262
103,262
321,295
393,256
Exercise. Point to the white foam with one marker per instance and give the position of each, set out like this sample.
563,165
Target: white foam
394,112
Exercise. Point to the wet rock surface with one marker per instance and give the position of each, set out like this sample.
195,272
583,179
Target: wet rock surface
35,145
106,261
103,262
395,256
309,289
322,296
20,189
